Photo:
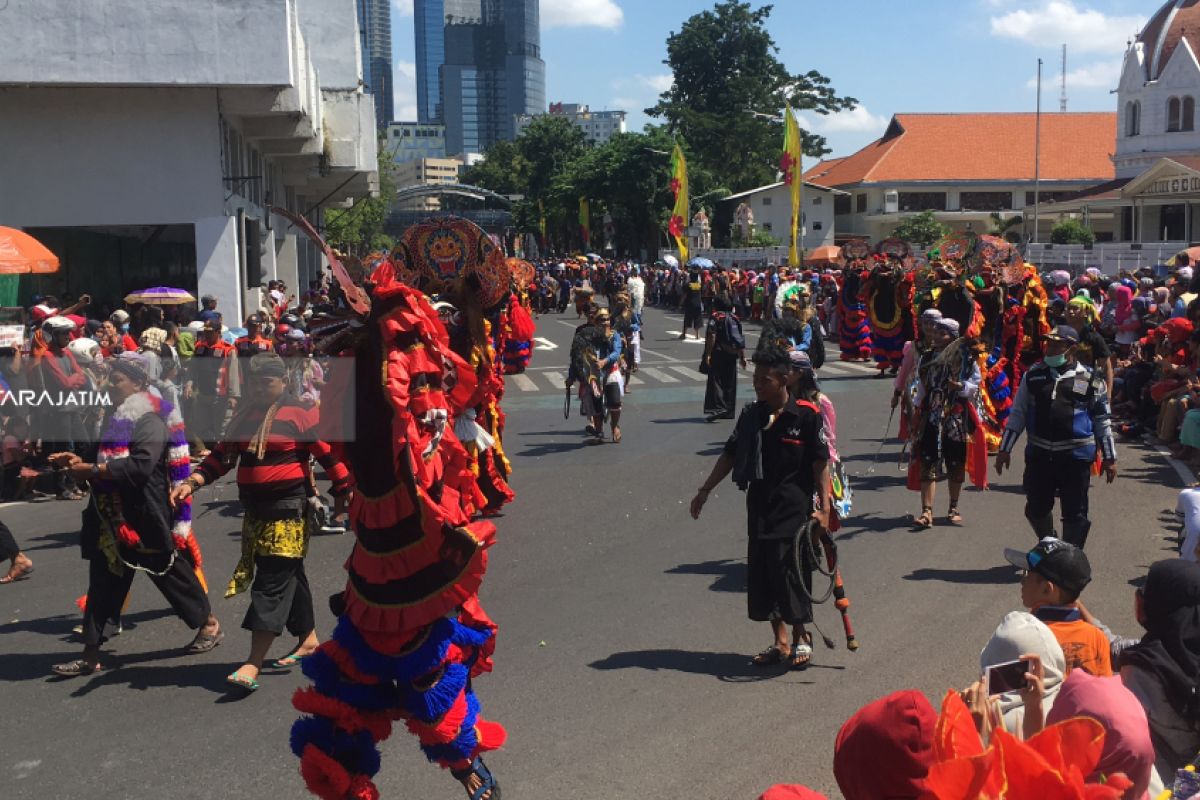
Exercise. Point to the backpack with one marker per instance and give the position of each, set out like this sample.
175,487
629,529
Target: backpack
816,346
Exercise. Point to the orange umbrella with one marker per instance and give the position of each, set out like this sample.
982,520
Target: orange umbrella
20,253
825,254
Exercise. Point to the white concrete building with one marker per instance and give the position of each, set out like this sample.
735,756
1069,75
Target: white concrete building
143,143
771,207
428,172
597,126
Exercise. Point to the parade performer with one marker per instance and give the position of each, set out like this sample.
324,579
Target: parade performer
904,387
129,525
888,295
596,363
411,634
854,333
517,327
946,430
724,352
779,456
271,440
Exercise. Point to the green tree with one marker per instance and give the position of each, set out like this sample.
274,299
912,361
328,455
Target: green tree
1072,231
921,229
1006,228
501,171
725,66
358,230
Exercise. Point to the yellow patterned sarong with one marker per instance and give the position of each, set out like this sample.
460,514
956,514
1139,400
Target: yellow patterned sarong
266,537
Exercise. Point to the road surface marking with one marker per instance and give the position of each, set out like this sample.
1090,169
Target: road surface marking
663,356
524,383
544,344
557,379
690,373
657,375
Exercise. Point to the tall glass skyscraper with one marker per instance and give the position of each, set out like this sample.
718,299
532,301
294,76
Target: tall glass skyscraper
479,70
375,27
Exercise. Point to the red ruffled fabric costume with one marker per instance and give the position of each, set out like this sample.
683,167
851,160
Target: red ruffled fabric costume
411,634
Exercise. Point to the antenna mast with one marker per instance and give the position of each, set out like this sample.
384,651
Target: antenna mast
1062,100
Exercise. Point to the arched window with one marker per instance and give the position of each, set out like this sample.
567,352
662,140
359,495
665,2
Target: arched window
1188,121
1133,122
1173,114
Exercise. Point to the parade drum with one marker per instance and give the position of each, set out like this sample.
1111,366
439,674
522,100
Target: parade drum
856,250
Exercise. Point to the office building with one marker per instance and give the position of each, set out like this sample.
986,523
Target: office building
492,73
597,126
408,141
427,171
375,27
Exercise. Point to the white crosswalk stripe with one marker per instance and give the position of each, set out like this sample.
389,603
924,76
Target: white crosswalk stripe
690,373
557,380
524,383
656,374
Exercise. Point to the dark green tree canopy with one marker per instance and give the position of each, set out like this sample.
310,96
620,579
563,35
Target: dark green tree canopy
725,66
921,229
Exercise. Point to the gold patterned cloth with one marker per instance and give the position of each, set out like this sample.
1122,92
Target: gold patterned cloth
266,537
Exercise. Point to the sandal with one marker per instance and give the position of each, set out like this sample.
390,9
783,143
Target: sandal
925,520
616,436
802,653
770,657
290,660
74,669
205,642
954,516
248,685
489,787
20,575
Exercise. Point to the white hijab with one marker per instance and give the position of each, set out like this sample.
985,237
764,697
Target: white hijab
1018,634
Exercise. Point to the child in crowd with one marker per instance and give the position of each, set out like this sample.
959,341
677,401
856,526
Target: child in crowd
1056,573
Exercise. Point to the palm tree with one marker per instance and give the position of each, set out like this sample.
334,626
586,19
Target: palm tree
1005,228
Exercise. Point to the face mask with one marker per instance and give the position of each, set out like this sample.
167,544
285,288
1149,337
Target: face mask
1056,361
124,329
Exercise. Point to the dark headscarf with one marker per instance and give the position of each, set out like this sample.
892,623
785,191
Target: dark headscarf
131,365
267,365
1170,650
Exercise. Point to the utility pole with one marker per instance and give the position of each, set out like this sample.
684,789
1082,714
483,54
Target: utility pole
1062,100
1037,154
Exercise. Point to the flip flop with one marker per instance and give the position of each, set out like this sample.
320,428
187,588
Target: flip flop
22,575
770,657
288,661
248,685
205,642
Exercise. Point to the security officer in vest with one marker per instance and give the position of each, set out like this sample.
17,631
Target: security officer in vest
1064,407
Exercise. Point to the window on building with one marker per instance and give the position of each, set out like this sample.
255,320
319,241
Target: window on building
1133,118
766,201
922,201
1047,197
841,204
1188,121
816,201
984,201
817,226
860,203
1174,112
766,227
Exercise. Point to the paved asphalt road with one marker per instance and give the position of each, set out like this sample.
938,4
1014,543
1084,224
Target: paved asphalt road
622,667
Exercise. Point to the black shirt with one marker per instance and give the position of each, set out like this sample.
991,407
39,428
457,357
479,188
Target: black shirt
780,502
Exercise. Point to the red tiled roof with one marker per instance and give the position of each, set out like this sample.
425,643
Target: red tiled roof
979,147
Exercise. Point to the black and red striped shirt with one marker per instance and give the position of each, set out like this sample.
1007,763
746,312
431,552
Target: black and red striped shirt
275,486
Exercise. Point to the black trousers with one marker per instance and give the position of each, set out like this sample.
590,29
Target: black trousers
773,588
1050,475
720,395
107,592
8,544
280,597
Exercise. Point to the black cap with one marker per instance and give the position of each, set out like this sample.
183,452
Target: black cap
1059,562
1064,333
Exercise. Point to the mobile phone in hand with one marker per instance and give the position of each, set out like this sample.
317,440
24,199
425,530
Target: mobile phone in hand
1006,677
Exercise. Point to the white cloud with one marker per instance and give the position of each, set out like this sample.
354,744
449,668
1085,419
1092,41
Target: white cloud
630,104
659,83
403,8
404,90
1103,75
859,120
581,14
1050,23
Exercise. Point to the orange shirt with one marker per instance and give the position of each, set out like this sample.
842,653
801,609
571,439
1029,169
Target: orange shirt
1084,645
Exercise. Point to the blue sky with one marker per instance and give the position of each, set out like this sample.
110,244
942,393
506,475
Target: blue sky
892,55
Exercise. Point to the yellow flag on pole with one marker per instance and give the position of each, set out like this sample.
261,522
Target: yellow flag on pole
679,214
790,165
